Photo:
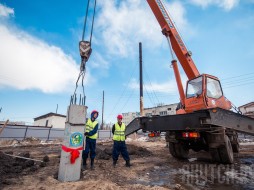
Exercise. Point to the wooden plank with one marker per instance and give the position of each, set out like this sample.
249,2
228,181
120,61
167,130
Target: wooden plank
1,130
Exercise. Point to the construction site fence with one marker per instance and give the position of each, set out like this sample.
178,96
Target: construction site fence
21,132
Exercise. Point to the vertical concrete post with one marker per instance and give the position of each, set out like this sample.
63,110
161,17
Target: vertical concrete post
73,143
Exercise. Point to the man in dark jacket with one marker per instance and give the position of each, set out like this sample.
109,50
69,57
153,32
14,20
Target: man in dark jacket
91,136
118,130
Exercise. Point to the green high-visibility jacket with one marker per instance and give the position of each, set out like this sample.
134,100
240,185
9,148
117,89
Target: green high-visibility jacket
119,134
90,125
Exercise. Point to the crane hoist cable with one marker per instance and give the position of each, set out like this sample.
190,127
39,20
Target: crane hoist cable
85,50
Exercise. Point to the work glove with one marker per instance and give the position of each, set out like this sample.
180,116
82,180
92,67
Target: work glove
86,133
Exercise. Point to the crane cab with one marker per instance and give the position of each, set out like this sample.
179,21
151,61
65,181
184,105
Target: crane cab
204,92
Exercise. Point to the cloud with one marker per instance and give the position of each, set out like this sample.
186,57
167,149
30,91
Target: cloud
178,12
27,62
98,62
120,25
158,87
167,87
225,4
5,11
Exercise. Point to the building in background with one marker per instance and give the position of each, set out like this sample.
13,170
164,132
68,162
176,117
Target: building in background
50,120
128,117
158,110
161,110
247,109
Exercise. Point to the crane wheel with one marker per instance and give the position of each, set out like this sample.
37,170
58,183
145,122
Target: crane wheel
223,154
233,136
226,152
236,148
178,150
172,149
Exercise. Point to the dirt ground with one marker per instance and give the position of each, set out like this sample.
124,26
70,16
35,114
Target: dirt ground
152,168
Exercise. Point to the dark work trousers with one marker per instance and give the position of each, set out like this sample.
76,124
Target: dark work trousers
120,147
90,147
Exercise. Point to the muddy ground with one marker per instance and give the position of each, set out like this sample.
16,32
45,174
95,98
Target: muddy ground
152,168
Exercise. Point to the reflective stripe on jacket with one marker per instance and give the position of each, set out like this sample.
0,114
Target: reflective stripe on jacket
90,126
119,134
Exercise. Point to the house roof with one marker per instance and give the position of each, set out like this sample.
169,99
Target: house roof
49,115
247,105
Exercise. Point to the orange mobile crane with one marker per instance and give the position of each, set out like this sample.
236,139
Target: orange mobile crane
203,120
203,90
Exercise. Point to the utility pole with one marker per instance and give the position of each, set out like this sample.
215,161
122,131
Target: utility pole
56,108
141,80
102,109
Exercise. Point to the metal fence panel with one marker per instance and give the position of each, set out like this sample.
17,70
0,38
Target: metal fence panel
56,134
39,133
13,132
103,134
43,133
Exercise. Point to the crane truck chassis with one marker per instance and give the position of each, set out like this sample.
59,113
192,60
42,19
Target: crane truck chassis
203,120
213,130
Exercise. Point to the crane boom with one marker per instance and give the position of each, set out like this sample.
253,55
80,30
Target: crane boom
170,31
202,91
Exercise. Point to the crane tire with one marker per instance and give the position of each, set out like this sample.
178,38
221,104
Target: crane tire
226,152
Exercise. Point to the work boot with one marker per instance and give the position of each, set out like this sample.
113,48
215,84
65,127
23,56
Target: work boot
114,163
84,165
92,164
128,164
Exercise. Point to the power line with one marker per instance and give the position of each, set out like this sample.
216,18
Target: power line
151,86
123,92
149,97
237,76
127,101
238,81
239,85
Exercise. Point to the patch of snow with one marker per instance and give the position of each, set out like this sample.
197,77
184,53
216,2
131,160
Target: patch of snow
246,143
192,159
143,139
246,140
128,140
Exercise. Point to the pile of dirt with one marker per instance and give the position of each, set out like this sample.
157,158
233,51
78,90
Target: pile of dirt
13,142
11,167
16,142
20,173
138,151
30,141
104,152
